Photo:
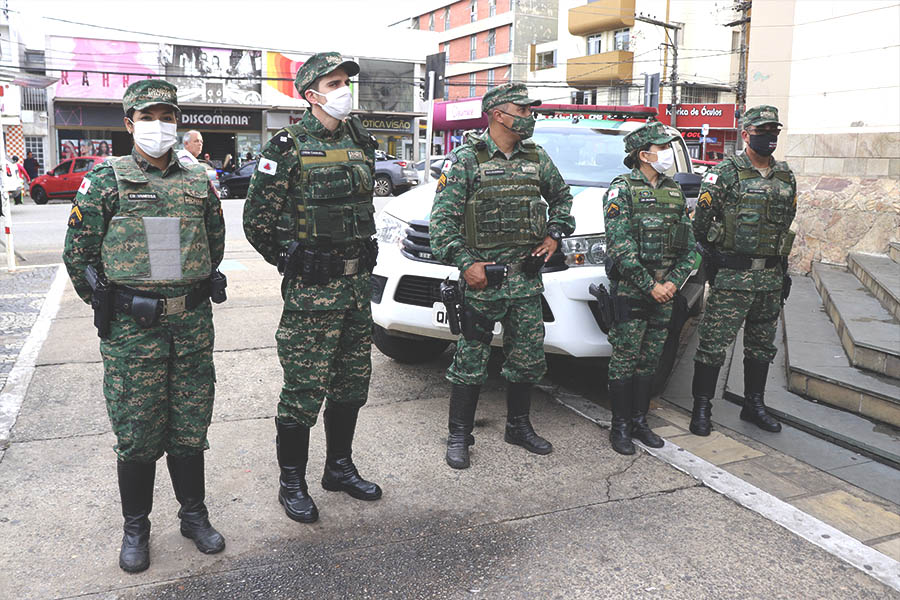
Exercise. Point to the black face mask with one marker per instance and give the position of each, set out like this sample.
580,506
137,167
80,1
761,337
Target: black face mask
763,143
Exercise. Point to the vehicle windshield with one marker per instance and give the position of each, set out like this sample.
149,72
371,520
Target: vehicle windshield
585,157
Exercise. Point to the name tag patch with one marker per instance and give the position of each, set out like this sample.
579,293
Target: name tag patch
495,172
312,153
143,196
355,155
647,199
529,169
674,194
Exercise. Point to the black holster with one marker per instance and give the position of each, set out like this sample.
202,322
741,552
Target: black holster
476,326
450,296
102,300
368,256
217,284
605,308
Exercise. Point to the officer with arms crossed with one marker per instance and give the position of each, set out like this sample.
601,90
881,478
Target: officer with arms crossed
145,235
742,225
309,211
490,221
650,246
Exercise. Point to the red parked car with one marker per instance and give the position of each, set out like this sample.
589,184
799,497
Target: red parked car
63,181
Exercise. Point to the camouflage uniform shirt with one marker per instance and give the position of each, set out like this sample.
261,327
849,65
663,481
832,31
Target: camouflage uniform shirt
446,226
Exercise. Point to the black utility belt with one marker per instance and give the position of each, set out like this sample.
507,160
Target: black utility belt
318,267
146,307
748,263
529,267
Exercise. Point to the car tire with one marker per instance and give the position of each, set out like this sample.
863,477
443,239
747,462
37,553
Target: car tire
38,195
383,185
407,350
224,192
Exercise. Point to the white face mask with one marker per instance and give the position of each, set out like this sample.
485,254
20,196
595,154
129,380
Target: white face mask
664,160
338,103
154,137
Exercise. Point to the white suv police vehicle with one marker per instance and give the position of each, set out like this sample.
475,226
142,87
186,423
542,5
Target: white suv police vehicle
410,320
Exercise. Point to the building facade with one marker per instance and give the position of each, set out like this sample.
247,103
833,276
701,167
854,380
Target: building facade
841,133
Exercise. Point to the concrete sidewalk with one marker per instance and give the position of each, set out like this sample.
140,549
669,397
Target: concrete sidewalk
583,522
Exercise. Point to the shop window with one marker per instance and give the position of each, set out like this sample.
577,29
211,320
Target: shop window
492,42
595,43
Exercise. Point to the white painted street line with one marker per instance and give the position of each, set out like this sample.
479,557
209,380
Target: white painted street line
835,542
20,376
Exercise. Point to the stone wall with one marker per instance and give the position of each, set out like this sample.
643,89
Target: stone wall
849,195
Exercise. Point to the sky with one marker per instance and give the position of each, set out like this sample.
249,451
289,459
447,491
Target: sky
349,26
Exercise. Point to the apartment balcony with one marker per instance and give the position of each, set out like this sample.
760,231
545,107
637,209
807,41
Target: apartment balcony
586,72
602,15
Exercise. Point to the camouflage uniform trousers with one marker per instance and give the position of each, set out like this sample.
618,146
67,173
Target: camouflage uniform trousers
726,311
159,384
638,342
523,343
324,353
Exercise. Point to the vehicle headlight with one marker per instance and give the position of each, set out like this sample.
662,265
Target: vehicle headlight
388,228
585,250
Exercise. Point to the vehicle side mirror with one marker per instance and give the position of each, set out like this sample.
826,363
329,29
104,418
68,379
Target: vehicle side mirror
690,184
436,171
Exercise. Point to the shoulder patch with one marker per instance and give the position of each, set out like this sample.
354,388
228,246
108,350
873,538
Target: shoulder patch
282,140
267,166
442,182
612,211
85,186
75,218
612,194
704,200
710,178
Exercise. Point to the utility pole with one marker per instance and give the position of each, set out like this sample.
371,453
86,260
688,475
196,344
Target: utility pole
673,105
429,128
740,89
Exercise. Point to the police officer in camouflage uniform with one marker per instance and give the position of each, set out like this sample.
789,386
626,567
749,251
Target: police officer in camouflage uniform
154,229
650,246
309,210
488,210
742,223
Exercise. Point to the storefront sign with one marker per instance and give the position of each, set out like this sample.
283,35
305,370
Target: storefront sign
461,111
219,119
697,136
88,115
280,120
393,123
718,116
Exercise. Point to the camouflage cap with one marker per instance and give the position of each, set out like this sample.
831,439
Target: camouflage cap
148,92
321,64
760,115
651,133
516,93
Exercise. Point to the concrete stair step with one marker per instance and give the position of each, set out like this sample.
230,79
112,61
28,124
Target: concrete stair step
894,251
869,334
846,429
880,275
818,368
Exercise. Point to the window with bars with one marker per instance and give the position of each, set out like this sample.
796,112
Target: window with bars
34,99
473,11
35,145
471,85
473,47
492,42
698,94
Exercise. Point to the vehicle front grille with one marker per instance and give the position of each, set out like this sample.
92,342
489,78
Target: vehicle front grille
416,244
418,291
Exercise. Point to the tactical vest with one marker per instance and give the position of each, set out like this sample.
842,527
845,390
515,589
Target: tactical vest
506,208
333,202
158,234
756,220
656,224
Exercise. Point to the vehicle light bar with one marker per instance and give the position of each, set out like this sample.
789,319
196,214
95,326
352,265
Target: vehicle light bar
624,113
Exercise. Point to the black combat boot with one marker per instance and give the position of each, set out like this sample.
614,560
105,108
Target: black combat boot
754,410
188,480
643,385
463,402
620,398
340,472
703,389
518,426
292,446
136,492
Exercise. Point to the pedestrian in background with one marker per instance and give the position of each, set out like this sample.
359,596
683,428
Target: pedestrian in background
488,210
744,213
228,164
31,165
309,210
152,226
650,245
